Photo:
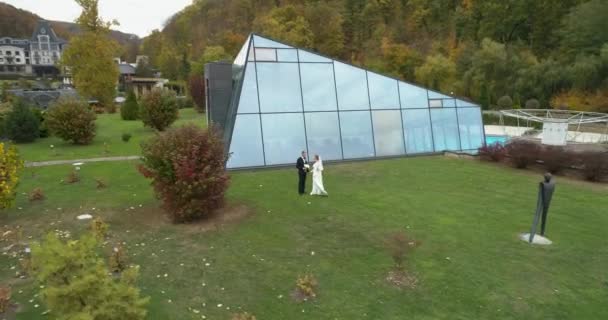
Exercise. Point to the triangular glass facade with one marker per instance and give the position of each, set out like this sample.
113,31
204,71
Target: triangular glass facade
286,100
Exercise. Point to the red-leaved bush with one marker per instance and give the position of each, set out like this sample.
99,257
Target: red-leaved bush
522,153
594,165
492,152
555,159
187,168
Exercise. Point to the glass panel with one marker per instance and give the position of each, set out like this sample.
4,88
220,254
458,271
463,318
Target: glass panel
242,55
383,92
288,55
351,84
357,139
265,54
323,135
248,102
318,86
449,103
418,134
462,103
283,137
435,103
437,95
251,54
445,129
263,42
388,134
246,146
279,86
471,128
412,96
306,56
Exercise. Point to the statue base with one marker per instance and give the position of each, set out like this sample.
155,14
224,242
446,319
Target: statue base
538,239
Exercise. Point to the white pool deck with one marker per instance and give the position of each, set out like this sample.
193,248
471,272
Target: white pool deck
510,131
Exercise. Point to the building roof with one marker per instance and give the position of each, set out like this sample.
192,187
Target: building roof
126,68
43,27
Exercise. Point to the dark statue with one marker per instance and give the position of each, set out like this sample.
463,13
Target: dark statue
545,193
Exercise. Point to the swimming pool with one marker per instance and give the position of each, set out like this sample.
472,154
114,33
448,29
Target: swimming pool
496,139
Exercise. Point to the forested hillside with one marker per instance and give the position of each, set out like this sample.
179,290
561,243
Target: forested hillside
20,23
549,50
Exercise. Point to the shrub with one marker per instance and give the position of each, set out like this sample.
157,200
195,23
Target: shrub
492,152
110,108
100,184
75,283
184,102
126,137
306,286
522,153
186,166
532,104
99,228
158,109
196,89
21,124
130,109
72,177
5,299
594,165
555,158
10,164
72,120
43,130
36,195
505,102
243,316
118,259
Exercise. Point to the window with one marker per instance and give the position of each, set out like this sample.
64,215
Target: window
17,60
279,87
418,134
323,135
435,103
262,54
1,59
351,85
306,56
248,102
283,137
246,145
267,43
287,55
17,53
383,92
318,87
412,96
8,53
445,129
471,128
357,138
388,133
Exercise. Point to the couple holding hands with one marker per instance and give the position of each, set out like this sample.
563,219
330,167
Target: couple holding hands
317,175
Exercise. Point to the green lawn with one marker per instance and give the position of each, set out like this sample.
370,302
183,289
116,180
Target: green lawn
466,215
108,140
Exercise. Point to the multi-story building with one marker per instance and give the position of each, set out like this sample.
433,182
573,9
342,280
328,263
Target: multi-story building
39,55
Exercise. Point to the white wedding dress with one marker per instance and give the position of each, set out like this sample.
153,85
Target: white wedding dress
317,179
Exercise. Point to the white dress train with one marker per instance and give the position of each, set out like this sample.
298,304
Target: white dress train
317,179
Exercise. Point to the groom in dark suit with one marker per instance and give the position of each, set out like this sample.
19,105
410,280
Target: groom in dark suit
300,164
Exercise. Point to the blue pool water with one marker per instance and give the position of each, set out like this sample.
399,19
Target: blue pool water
496,139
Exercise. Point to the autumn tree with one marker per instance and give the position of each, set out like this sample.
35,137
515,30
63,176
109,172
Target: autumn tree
90,56
286,24
437,72
196,90
10,165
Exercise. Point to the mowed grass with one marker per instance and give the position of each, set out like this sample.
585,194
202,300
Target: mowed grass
466,215
108,140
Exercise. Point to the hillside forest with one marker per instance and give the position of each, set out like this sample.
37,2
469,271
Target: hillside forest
538,53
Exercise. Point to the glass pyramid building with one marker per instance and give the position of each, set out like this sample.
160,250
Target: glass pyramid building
285,100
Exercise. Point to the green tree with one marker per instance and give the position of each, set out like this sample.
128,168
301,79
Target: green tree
76,284
325,22
169,62
130,109
4,95
90,56
21,124
158,109
437,72
584,28
143,69
212,53
286,24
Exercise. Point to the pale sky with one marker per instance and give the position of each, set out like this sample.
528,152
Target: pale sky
135,16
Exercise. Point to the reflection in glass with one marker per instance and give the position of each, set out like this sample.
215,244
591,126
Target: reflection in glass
287,55
383,92
246,145
437,95
351,84
279,86
449,103
418,134
471,128
263,42
435,103
263,54
283,137
318,86
357,139
412,96
248,102
323,135
306,56
445,129
388,134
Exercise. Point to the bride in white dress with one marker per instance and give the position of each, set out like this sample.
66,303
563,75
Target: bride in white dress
317,178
